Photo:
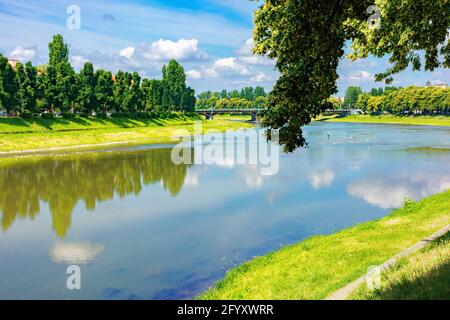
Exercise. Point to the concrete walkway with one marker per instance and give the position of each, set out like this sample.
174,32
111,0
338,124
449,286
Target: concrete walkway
343,293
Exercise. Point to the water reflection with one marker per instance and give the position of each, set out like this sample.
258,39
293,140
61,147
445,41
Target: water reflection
75,253
391,191
92,178
323,178
190,224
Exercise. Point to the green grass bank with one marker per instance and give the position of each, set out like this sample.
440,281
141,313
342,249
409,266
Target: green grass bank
318,266
391,119
19,135
422,276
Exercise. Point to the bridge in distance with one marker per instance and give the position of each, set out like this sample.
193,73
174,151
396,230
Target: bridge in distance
209,113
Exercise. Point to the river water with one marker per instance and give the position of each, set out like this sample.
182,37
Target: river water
140,227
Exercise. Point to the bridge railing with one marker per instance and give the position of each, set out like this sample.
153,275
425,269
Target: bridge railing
227,110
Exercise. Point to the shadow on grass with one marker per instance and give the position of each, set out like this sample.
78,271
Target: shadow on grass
432,285
50,123
156,122
121,122
80,121
75,123
14,122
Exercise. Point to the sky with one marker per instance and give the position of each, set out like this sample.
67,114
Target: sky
211,38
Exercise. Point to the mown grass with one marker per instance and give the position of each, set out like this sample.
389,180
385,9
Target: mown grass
428,150
391,119
422,276
318,266
19,125
20,135
235,117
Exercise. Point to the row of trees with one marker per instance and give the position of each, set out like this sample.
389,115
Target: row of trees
410,100
56,87
353,92
248,93
248,97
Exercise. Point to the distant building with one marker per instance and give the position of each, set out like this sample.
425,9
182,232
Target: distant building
13,63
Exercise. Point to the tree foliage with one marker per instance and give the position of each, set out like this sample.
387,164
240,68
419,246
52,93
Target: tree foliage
307,38
351,96
8,87
247,97
407,101
56,87
87,99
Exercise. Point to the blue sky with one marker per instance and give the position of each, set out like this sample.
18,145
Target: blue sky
211,38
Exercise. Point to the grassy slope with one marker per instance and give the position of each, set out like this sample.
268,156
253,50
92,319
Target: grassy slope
423,275
19,135
315,268
390,119
235,117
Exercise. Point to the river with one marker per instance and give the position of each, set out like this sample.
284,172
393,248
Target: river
140,227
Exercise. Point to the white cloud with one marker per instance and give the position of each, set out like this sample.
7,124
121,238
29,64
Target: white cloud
78,61
256,60
23,54
182,50
360,76
230,65
246,48
194,74
261,77
437,82
75,253
127,52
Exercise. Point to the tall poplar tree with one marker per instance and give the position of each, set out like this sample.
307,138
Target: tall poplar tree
60,87
27,87
8,87
86,98
104,90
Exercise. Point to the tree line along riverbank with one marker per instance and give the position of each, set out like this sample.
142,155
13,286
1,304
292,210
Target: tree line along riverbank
56,88
19,135
391,119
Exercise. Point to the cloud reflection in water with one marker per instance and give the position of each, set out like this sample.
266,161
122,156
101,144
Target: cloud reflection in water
390,191
75,252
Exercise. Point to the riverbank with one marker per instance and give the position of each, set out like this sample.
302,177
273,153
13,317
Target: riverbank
318,266
391,119
19,136
424,275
